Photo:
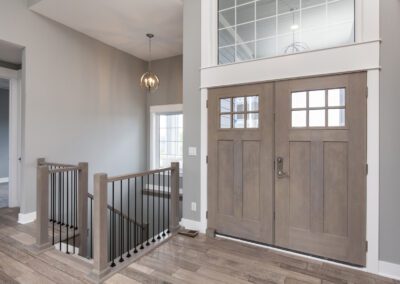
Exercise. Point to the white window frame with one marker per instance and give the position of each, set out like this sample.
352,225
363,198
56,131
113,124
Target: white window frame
154,112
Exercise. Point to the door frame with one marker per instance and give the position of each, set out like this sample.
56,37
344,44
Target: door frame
15,135
372,160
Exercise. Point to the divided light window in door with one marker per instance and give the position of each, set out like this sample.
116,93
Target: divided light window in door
251,29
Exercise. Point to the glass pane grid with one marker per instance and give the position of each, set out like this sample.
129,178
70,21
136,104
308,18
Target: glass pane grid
268,28
319,108
239,112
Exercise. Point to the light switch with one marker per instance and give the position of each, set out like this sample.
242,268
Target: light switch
192,151
194,206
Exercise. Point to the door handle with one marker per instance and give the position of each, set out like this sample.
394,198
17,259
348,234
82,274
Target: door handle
280,171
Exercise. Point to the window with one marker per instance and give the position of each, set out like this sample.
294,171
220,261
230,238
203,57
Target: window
239,112
166,136
250,29
319,108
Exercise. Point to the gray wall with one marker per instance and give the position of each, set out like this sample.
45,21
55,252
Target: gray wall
191,106
390,132
169,71
82,99
4,130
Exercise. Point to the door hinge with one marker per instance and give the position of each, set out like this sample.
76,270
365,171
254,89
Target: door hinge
274,215
366,93
366,169
206,103
207,159
366,246
207,214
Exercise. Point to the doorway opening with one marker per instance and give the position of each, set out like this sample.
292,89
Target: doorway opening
4,141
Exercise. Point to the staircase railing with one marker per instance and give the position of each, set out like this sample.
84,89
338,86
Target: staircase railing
115,241
61,199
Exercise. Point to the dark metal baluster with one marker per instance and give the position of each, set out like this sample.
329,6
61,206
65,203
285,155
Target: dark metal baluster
60,202
113,228
135,232
121,227
53,203
51,195
142,239
148,207
128,221
159,197
67,227
91,228
154,194
169,199
163,210
75,207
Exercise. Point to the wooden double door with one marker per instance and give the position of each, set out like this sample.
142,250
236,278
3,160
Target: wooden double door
287,165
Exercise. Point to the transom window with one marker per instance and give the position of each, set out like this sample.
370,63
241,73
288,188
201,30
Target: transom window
249,29
239,112
319,108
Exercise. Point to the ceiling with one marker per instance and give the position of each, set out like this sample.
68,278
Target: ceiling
122,24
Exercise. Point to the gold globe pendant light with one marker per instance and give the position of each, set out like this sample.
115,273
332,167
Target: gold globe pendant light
149,80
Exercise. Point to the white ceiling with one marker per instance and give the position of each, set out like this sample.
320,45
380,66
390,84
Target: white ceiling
123,23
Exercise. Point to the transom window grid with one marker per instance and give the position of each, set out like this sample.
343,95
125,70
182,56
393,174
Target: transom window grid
327,111
239,112
251,29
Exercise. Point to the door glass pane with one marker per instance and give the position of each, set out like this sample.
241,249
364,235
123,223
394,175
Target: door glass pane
238,120
245,13
299,118
317,118
266,8
245,51
252,120
226,55
252,103
224,4
226,37
226,18
225,105
316,98
299,100
225,121
336,97
245,33
238,104
336,118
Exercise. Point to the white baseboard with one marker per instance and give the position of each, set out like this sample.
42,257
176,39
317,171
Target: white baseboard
26,218
389,269
193,225
4,180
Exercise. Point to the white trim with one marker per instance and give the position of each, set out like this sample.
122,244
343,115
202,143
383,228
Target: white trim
389,269
8,73
26,218
203,158
4,180
373,171
356,57
193,225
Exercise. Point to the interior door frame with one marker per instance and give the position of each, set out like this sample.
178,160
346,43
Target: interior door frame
15,135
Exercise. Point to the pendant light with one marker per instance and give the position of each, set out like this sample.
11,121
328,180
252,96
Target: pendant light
149,80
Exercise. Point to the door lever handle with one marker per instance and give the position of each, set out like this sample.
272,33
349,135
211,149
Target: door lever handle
280,172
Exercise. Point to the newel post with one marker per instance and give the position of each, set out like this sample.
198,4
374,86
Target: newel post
42,206
174,208
83,207
100,251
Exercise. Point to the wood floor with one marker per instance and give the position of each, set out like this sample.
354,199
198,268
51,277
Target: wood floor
179,260
3,195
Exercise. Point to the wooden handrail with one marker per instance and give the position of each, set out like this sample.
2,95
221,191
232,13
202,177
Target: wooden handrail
42,162
143,226
130,176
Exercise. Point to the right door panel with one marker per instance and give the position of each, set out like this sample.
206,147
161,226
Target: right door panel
320,179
